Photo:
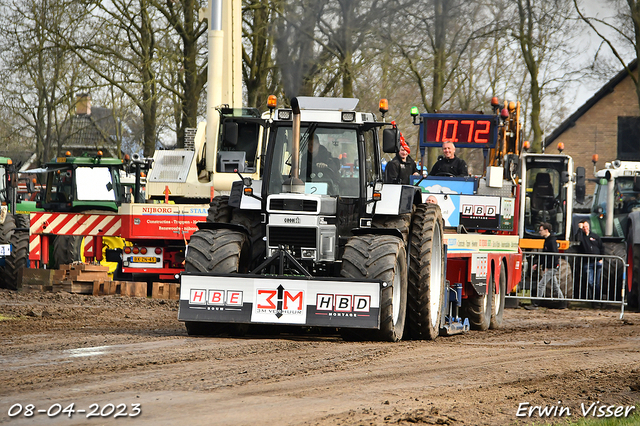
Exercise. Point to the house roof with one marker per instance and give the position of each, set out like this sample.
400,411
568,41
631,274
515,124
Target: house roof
604,91
90,133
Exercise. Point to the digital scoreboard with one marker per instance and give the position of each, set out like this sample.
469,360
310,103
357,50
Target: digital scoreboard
464,130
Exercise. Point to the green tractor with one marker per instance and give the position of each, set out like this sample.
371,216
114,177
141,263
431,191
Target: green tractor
83,184
14,225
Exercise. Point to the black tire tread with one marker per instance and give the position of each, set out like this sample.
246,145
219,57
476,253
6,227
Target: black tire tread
218,250
425,220
66,249
252,221
19,257
7,229
401,223
478,309
375,257
219,210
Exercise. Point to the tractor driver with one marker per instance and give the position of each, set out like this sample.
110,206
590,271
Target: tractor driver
448,164
320,160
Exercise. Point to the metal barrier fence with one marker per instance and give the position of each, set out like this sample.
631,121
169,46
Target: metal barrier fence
578,278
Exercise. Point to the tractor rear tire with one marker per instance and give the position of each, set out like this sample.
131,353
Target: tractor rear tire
7,229
426,295
66,249
219,210
478,309
252,221
497,312
401,223
379,257
221,251
19,257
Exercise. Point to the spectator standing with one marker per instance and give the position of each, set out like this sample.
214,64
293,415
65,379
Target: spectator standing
400,169
590,243
550,265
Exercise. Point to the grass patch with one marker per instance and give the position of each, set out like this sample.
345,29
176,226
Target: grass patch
6,318
632,420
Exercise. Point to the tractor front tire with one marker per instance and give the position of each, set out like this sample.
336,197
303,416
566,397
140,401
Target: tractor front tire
222,251
219,210
379,257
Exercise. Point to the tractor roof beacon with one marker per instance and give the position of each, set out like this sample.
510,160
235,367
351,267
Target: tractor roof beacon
320,241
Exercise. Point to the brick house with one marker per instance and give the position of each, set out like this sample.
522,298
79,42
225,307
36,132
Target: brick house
607,124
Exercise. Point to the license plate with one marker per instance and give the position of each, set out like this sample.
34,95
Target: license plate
138,259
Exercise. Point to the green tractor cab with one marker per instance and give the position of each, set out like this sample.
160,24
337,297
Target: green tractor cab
75,184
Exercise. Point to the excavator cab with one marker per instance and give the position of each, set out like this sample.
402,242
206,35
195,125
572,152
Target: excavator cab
240,137
547,193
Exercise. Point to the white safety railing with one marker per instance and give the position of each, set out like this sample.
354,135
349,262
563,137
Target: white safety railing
578,278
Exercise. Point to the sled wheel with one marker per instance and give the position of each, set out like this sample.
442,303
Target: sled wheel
497,311
478,309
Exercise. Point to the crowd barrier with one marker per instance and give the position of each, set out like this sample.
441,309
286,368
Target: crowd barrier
594,279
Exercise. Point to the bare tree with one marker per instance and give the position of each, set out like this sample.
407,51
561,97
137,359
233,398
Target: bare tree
189,39
432,42
625,27
117,42
544,31
258,66
38,74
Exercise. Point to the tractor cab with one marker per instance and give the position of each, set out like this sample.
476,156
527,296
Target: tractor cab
75,184
547,191
335,160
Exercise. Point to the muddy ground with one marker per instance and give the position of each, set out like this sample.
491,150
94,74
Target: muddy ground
96,351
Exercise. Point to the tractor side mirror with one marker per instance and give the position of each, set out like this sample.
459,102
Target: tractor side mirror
636,183
581,187
230,134
564,177
390,141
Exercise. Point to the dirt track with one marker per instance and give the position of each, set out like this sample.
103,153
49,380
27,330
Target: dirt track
61,348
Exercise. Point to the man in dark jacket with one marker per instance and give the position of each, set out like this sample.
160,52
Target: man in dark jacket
448,164
591,243
400,169
549,264
320,161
